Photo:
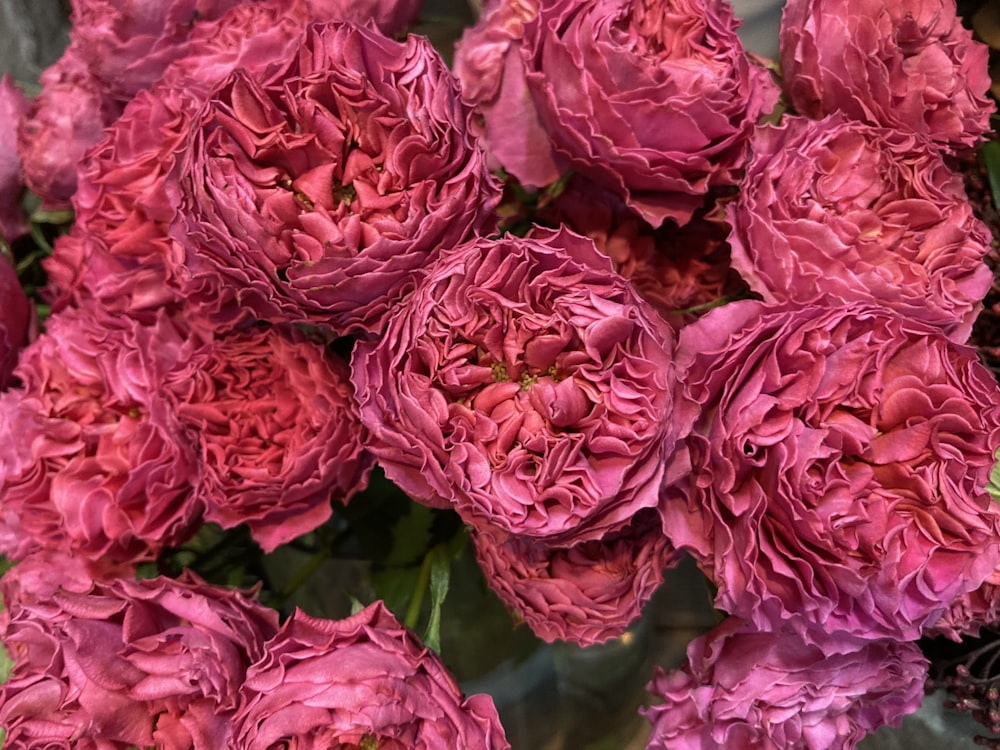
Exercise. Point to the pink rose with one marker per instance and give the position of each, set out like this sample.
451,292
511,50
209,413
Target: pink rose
673,268
835,474
127,195
130,663
278,431
97,464
15,320
127,44
742,689
660,112
13,104
900,64
527,385
586,594
392,17
61,124
833,211
364,681
380,121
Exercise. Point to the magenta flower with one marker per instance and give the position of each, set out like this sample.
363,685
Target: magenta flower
904,65
833,212
365,681
653,100
320,194
835,474
279,435
586,594
15,320
97,463
525,384
747,689
130,663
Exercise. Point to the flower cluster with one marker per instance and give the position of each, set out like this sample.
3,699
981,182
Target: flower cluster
181,664
572,297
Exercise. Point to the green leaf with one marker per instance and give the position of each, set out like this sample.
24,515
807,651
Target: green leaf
395,586
991,158
993,485
411,536
440,577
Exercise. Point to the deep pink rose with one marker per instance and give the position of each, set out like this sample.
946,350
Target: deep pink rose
278,431
127,44
678,270
654,100
15,320
130,663
837,467
96,462
365,681
833,211
588,593
905,65
320,194
970,612
127,195
40,575
526,384
63,121
392,17
13,104
743,689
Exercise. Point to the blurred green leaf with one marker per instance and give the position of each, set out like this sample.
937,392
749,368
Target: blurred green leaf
411,536
991,158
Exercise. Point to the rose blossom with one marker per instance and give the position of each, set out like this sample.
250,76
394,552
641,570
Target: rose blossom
660,113
673,268
526,384
586,594
905,65
365,681
13,104
833,211
63,121
743,688
97,464
131,663
278,431
320,194
836,471
127,194
15,320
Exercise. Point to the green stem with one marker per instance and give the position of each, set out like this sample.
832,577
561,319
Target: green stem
705,306
423,581
302,574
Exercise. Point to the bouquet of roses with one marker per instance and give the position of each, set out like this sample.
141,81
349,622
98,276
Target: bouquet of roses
592,296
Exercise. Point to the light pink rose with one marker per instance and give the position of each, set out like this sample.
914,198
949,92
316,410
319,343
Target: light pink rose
833,211
653,100
905,65
744,689
61,124
97,464
144,663
379,121
278,432
13,104
586,594
15,320
835,474
525,384
365,681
